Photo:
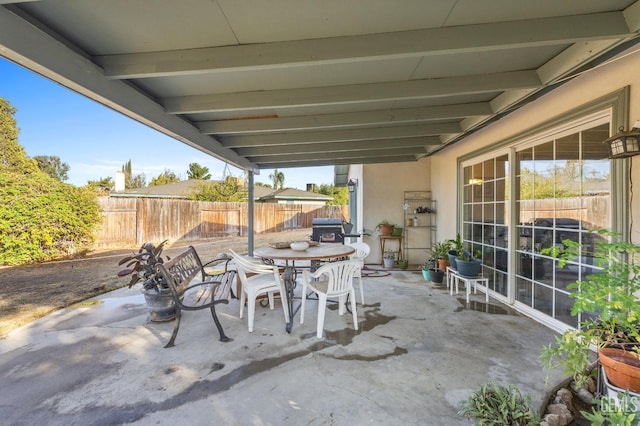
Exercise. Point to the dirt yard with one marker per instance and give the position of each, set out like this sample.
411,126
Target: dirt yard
30,292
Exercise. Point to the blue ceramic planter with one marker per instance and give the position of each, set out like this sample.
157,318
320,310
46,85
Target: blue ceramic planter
470,268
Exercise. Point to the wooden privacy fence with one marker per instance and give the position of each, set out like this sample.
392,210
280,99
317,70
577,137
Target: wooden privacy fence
132,221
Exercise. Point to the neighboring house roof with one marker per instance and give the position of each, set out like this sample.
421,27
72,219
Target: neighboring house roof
170,190
181,190
292,194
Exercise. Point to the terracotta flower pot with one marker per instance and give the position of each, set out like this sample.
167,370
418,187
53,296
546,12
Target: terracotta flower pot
385,230
622,368
442,264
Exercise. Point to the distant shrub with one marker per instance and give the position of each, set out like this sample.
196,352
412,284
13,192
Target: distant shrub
43,219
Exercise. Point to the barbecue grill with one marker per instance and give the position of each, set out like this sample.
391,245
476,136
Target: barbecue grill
327,230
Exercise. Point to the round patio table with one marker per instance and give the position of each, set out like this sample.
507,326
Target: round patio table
325,252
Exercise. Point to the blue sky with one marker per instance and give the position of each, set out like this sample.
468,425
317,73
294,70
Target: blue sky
96,141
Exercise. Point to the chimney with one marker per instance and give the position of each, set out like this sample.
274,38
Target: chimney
311,187
119,181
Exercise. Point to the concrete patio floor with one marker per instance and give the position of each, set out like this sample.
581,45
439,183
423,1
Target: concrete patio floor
418,352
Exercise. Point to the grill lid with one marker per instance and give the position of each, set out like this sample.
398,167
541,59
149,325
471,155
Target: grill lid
325,221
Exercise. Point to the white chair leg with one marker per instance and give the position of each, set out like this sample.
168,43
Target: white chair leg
243,298
342,301
353,309
322,307
361,291
271,303
252,311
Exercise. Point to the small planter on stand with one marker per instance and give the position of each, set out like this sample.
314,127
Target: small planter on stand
452,254
469,268
621,367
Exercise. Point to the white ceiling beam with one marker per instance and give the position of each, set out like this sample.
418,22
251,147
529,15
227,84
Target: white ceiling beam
347,154
350,119
340,135
573,58
356,93
27,45
361,145
336,161
632,16
433,41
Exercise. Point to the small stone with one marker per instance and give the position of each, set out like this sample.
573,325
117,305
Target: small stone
551,420
590,385
565,396
585,396
562,411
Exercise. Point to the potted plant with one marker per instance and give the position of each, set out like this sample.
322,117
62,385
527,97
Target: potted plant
466,264
142,267
385,228
610,296
427,266
403,263
388,259
440,253
456,247
436,275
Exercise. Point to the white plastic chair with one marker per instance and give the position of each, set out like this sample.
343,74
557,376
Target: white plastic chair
262,279
362,251
333,279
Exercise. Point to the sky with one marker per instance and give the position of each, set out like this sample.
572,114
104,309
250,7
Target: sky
96,141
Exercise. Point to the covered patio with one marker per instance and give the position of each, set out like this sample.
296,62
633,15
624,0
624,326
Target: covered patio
417,354
464,99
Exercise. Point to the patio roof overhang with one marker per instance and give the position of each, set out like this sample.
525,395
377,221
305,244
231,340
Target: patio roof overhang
292,84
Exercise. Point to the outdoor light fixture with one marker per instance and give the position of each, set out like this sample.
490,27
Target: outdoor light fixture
624,144
351,185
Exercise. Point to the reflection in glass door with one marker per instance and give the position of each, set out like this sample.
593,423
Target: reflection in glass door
563,192
485,214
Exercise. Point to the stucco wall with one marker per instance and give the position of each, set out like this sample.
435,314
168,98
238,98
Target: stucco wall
580,91
383,192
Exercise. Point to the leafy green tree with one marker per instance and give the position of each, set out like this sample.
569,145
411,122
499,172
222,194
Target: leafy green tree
340,194
559,184
41,218
131,180
163,178
229,190
12,155
51,165
196,171
265,185
277,177
102,185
